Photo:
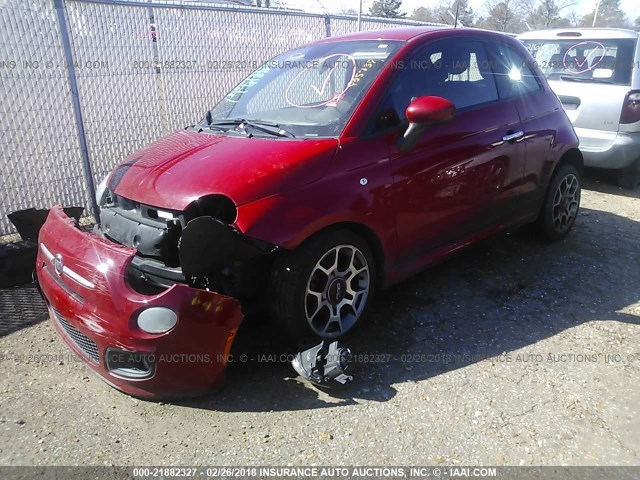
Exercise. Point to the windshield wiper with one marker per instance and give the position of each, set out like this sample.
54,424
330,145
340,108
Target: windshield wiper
571,78
263,123
265,127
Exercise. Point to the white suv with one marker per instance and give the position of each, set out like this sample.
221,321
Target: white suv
595,73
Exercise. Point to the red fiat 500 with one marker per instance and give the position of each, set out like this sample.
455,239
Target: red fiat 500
332,171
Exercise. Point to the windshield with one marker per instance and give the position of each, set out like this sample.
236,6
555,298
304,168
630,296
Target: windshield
595,61
308,92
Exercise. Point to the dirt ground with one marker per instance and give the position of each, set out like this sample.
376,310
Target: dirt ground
515,352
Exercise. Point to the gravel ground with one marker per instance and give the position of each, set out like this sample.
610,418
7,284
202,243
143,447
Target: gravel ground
515,352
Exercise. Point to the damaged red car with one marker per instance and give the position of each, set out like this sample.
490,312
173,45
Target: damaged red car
332,171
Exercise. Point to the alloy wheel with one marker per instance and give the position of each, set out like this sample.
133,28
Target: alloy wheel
337,291
566,202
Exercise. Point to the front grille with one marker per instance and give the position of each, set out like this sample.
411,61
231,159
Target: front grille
84,343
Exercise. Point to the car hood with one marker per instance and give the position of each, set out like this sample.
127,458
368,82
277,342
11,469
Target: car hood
178,169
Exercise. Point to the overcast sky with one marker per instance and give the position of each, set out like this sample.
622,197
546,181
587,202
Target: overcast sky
631,7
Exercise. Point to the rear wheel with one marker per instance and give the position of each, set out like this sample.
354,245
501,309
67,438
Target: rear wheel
629,177
323,288
561,204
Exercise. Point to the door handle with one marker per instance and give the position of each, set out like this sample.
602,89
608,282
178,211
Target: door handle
510,137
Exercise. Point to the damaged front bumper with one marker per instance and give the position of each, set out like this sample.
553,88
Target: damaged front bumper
83,280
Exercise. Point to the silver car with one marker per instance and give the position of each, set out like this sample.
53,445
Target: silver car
594,72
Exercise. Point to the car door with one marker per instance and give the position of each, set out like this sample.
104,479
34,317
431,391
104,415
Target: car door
462,177
538,109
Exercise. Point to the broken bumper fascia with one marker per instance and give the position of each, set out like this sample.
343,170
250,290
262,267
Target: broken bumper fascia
82,278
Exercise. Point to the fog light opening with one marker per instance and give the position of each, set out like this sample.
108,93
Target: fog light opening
157,320
130,364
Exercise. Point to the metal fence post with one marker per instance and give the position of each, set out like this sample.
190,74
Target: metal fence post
77,109
162,97
327,25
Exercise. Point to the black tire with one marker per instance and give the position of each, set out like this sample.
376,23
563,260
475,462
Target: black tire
293,288
558,215
629,177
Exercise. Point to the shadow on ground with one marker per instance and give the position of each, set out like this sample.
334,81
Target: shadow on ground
604,181
499,296
20,307
504,294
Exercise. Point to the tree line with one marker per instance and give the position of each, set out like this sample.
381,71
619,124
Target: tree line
515,16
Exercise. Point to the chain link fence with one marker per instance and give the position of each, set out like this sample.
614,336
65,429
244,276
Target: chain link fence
40,158
129,73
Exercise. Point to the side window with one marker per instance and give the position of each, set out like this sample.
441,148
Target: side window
458,70
514,74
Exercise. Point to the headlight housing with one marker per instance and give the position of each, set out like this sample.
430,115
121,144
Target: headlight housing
157,320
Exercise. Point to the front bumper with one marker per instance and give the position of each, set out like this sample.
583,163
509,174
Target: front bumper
611,150
82,278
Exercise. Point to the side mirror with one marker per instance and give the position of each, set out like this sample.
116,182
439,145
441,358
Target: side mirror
424,111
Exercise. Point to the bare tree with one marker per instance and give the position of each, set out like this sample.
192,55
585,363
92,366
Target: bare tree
422,14
387,8
445,12
437,14
609,15
573,19
504,16
463,11
545,14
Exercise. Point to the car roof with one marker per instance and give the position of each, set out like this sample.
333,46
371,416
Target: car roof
404,34
585,33
401,34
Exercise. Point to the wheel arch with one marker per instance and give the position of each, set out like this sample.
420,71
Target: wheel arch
573,156
546,221
369,236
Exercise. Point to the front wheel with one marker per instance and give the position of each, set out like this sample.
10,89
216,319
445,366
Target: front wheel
323,288
561,204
